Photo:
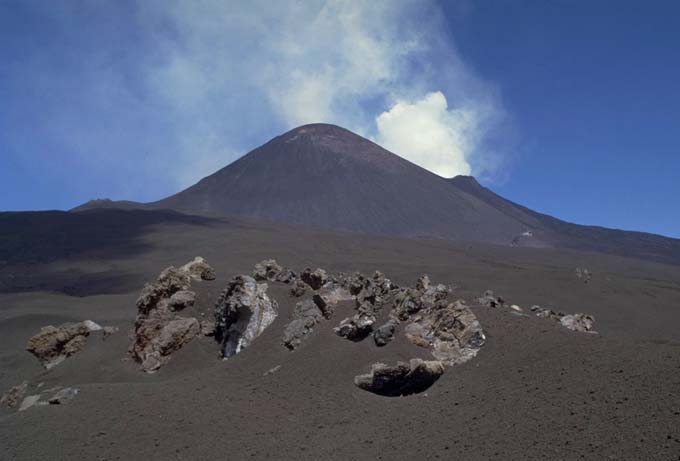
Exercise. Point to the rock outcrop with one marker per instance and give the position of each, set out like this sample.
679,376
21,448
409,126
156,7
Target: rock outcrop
583,323
159,331
402,379
488,299
308,313
384,334
272,271
242,312
371,293
315,279
52,345
451,331
305,316
12,397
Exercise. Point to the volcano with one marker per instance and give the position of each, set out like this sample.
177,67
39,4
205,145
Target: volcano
328,177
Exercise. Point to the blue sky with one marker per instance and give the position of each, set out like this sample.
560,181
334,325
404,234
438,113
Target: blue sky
570,108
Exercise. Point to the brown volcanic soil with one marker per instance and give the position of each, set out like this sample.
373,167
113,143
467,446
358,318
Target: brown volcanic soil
535,390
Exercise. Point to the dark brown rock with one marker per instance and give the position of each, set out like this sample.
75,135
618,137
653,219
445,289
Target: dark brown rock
402,379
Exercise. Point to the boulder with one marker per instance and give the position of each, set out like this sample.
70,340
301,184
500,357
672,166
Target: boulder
402,379
583,323
159,331
384,334
12,397
315,279
545,313
198,269
242,312
298,289
63,396
328,296
489,300
182,300
52,345
305,316
355,328
30,401
272,271
108,331
266,270
451,331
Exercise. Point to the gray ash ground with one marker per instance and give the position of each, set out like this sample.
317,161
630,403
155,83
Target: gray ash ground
535,390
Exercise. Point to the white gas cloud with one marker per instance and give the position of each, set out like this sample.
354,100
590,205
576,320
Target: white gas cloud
428,133
385,69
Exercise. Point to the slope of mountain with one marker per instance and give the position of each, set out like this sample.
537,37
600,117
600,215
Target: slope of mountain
568,235
325,176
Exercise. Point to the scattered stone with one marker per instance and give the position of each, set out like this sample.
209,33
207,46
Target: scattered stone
383,335
182,300
579,322
545,313
583,274
63,396
315,279
52,345
267,270
12,397
305,316
208,327
516,308
92,326
29,401
356,328
242,312
159,331
328,296
298,289
489,300
451,331
403,379
198,269
108,331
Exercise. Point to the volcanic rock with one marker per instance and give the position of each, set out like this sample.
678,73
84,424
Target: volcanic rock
64,395
489,300
403,379
305,316
298,289
383,335
12,397
159,331
108,331
328,296
356,328
315,279
242,312
451,331
52,345
579,322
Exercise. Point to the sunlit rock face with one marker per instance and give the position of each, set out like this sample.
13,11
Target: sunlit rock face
159,330
242,312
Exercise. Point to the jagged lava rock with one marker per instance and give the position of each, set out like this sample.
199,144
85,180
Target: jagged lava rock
583,323
242,312
451,331
12,397
159,331
384,334
402,379
52,345
315,279
305,316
